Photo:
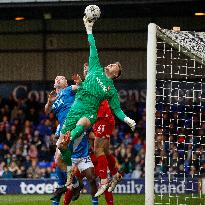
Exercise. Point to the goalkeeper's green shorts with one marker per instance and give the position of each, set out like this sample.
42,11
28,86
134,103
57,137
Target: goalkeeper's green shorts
78,110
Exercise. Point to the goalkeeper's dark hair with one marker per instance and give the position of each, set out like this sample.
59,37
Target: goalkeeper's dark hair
120,70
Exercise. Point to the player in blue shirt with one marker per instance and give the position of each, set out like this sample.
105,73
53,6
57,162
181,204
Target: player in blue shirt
59,102
80,156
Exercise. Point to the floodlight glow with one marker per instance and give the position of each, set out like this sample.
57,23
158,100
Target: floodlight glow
19,18
199,14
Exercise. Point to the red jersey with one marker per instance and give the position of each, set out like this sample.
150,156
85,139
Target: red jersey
104,110
105,123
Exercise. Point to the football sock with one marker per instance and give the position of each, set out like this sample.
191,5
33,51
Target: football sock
102,166
66,156
55,201
109,197
112,164
61,175
94,200
75,133
67,197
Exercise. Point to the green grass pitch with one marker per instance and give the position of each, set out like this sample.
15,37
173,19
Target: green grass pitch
120,199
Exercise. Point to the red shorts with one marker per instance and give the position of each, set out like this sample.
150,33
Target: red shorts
103,127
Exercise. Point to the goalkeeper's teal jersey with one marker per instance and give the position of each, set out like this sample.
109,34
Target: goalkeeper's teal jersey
97,86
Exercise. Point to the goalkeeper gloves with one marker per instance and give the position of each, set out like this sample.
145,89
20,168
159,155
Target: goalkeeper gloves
130,122
88,25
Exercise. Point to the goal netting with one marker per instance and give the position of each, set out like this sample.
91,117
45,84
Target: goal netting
175,135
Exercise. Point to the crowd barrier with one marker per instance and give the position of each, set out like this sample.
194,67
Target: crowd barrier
46,186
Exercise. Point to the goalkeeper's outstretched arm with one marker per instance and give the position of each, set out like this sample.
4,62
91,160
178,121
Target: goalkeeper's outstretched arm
94,62
115,106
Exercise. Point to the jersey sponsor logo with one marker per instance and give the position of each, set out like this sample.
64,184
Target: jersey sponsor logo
101,84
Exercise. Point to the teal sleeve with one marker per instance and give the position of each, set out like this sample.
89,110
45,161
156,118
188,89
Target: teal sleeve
79,86
119,113
114,103
94,63
93,49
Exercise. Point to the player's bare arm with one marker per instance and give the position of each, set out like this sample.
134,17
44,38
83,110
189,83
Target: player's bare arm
51,99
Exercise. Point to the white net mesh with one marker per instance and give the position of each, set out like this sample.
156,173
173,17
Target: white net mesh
180,118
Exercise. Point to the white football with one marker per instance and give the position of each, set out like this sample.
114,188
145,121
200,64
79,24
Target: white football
92,12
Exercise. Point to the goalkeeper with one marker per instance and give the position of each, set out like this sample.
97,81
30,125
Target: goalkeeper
98,86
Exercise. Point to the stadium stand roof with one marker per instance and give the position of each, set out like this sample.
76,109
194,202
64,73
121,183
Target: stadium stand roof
35,9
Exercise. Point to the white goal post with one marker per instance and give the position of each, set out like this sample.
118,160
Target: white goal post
175,116
150,118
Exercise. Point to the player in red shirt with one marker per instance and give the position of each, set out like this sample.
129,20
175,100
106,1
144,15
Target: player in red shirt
108,195
102,129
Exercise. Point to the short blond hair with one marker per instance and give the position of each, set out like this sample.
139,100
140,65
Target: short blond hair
120,69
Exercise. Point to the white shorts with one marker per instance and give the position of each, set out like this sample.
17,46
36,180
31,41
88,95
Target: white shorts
82,163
